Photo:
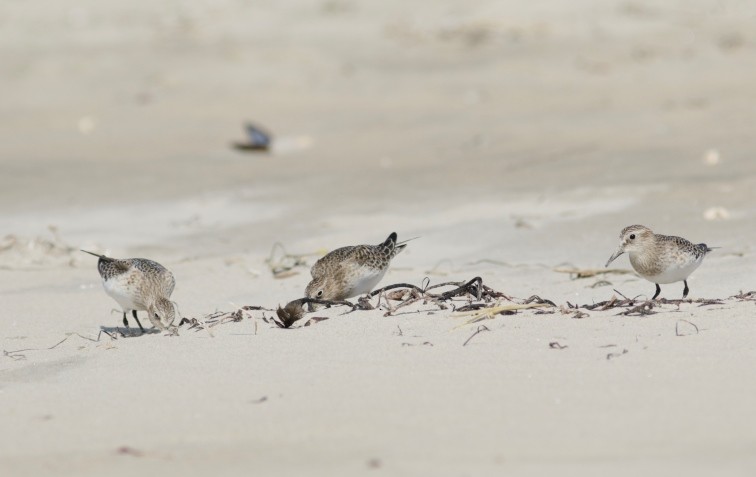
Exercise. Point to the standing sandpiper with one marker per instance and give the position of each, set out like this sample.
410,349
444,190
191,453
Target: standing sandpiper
660,258
351,271
139,284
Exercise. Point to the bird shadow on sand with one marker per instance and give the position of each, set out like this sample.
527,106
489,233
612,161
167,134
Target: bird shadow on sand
123,332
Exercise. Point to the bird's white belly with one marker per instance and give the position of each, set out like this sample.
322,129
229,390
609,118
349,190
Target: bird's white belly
675,272
120,291
365,281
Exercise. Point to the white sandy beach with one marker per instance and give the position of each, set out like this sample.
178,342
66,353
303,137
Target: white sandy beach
511,139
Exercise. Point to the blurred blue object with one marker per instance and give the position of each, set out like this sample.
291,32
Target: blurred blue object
257,139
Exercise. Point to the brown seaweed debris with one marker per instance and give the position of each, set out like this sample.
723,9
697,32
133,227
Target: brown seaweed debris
290,314
645,308
295,311
745,296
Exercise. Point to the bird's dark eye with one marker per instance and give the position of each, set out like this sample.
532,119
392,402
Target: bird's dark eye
632,236
320,293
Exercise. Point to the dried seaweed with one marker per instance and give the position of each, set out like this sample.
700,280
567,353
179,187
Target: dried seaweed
220,317
541,301
471,299
645,308
489,312
295,311
579,315
614,302
747,296
473,287
290,314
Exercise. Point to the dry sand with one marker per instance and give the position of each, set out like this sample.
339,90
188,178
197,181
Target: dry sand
511,138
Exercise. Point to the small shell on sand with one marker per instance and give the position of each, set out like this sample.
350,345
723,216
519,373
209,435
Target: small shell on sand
712,157
716,213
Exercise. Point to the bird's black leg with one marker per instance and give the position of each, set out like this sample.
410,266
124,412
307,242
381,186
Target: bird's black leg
125,321
658,290
133,312
686,289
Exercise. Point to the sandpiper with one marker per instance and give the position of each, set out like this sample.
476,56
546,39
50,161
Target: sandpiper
351,271
660,258
139,284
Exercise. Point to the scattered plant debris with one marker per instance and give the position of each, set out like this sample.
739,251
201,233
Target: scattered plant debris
611,356
480,329
645,308
747,296
680,333
18,354
315,319
576,273
490,312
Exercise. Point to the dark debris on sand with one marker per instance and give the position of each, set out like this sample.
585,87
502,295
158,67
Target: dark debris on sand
466,297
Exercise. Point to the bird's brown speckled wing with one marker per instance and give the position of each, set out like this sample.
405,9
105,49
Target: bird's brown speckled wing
155,273
697,250
109,267
328,261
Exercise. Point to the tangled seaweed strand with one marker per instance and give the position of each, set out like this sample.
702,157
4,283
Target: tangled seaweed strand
473,289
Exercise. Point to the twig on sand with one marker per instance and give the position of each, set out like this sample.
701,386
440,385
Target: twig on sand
576,273
17,354
537,299
472,287
677,327
395,285
480,329
490,312
611,356
620,294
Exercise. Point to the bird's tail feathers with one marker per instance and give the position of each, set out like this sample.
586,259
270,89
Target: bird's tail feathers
391,243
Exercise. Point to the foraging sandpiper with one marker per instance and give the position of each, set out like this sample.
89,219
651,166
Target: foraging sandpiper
350,271
660,258
139,284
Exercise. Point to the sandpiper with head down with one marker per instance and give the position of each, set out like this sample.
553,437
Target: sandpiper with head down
139,284
350,271
660,258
